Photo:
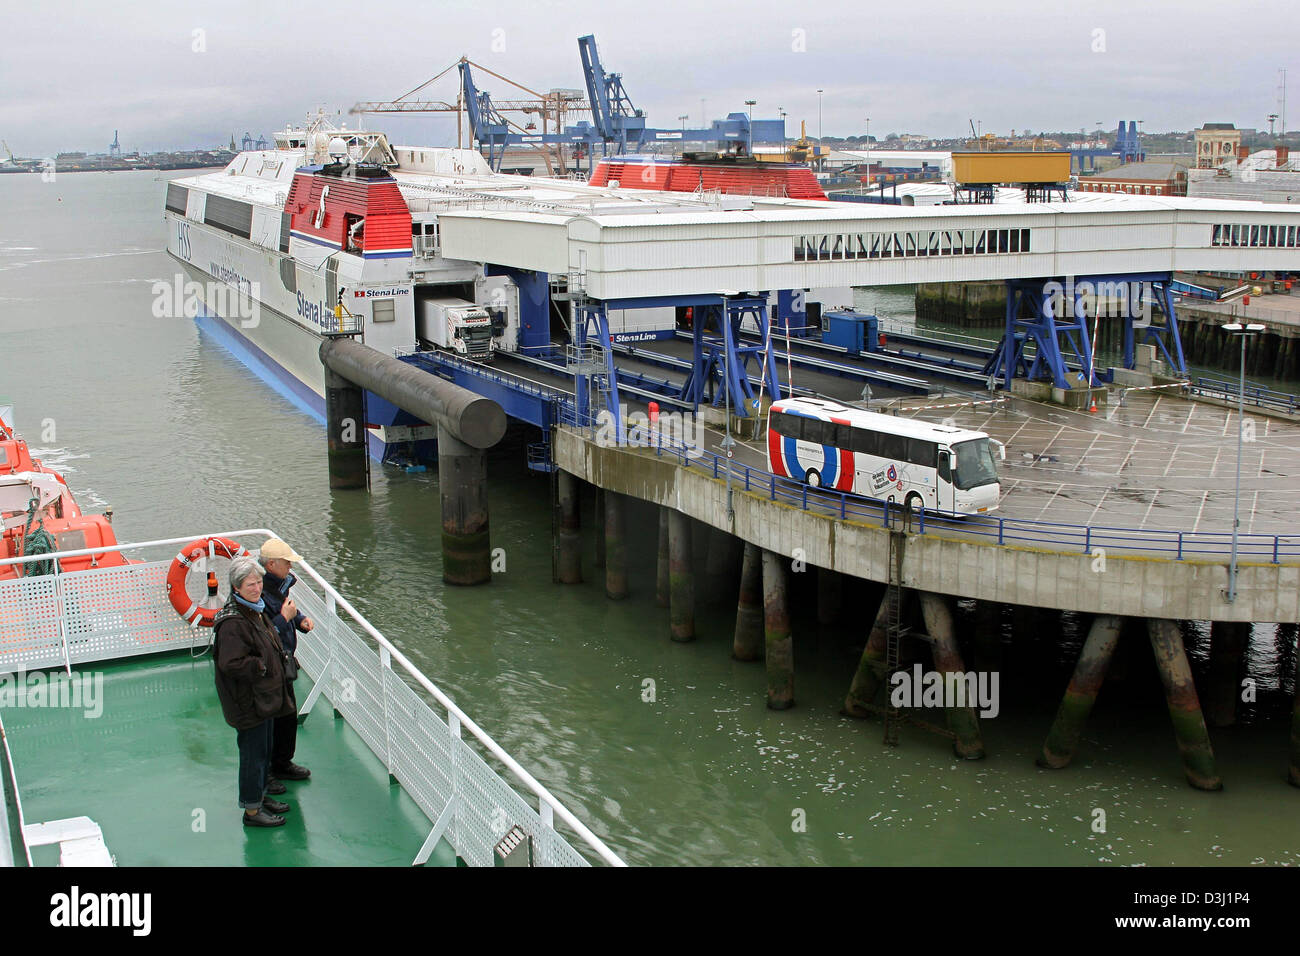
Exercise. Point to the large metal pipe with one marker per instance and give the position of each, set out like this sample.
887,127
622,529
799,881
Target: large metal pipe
477,421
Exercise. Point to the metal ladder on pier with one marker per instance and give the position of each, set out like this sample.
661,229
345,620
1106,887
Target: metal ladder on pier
895,631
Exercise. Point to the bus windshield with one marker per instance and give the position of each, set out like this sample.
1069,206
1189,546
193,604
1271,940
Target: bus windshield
974,465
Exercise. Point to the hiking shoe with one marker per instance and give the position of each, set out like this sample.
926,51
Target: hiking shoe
262,819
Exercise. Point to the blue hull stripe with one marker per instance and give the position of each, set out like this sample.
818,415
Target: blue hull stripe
281,381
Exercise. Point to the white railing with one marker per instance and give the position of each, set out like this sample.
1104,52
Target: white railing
8,781
63,618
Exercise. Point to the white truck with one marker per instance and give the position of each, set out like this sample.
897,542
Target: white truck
455,325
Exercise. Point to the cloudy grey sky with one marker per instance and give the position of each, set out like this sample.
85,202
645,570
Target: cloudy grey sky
73,72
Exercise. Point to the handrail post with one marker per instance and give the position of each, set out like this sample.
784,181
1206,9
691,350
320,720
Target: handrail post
1001,529
61,609
1275,547
1180,546
1087,539
385,670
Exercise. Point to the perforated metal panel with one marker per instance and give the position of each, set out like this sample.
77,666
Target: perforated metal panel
106,613
29,624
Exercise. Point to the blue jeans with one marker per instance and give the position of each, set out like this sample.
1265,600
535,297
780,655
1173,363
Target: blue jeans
254,761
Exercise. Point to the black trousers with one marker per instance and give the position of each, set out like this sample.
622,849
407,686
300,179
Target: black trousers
285,738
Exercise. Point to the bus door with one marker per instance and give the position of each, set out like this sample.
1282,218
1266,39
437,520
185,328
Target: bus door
945,494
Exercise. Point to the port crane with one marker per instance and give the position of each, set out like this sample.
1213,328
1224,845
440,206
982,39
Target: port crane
617,126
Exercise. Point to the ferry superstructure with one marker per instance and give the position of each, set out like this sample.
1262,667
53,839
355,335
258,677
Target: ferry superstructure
281,238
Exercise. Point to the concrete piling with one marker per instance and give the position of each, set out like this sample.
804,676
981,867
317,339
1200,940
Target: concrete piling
462,487
988,636
345,431
615,547
871,668
569,543
1184,706
661,569
717,565
747,645
962,720
830,595
681,583
776,625
1081,694
600,527
1228,643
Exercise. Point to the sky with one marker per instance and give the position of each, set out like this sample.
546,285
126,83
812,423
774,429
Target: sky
188,75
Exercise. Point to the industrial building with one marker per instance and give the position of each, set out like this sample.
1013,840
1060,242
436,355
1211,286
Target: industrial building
1139,179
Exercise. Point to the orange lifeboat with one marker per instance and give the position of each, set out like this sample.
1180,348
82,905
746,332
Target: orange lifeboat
34,497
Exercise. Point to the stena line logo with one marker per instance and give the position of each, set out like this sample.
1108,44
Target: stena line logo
77,909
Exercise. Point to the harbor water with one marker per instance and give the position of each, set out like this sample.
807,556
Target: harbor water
666,750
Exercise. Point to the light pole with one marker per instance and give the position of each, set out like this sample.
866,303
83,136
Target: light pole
866,146
782,112
1243,331
751,104
684,117
728,443
819,117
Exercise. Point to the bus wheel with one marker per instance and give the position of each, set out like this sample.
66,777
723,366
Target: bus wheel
914,502
813,478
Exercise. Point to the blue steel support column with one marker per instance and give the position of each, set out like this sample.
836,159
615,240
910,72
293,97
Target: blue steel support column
732,364
581,381
769,359
602,330
1130,358
1171,343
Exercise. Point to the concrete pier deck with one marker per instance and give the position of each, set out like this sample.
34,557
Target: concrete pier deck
1126,511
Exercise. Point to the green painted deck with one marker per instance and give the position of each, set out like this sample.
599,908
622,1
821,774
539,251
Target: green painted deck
157,771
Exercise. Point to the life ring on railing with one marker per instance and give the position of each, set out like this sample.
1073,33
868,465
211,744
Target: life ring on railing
180,569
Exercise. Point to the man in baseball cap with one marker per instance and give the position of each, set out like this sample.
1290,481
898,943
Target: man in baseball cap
277,558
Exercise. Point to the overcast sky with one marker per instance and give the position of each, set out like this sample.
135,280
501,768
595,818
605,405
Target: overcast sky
71,73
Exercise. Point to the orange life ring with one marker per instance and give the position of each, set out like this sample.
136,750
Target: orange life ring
180,569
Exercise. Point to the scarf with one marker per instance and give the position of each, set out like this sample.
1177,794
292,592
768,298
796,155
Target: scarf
259,607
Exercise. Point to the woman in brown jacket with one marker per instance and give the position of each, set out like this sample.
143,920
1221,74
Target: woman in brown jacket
251,685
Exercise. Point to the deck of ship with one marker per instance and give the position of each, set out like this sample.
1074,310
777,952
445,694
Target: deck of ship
156,769
109,712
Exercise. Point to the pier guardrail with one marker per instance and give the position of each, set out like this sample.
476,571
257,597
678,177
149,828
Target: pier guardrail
1254,395
1067,538
62,618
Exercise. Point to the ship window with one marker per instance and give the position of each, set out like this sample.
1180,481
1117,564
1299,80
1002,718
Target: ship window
384,310
230,215
177,197
285,225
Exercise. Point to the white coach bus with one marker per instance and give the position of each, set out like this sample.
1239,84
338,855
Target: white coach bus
915,463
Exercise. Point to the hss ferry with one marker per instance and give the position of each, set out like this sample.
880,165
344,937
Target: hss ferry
332,222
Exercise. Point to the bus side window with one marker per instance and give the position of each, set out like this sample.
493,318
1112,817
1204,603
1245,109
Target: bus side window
844,436
945,468
891,446
921,452
864,441
817,431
